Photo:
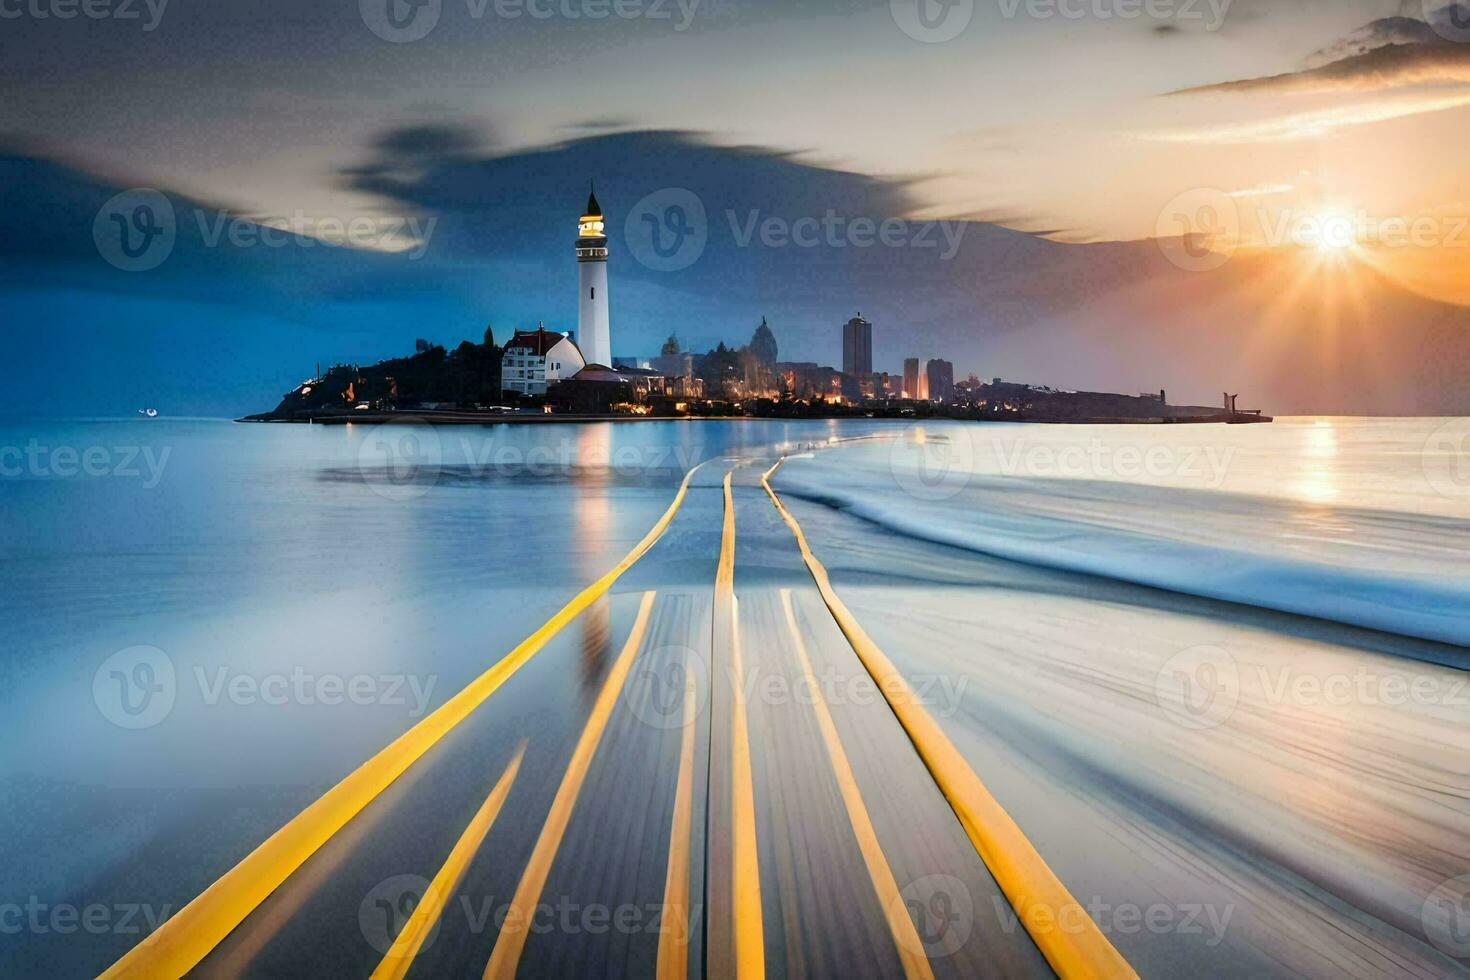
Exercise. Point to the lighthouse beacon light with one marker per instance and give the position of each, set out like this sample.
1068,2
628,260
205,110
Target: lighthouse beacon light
593,326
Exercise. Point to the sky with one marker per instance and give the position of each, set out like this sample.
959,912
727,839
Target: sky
1327,134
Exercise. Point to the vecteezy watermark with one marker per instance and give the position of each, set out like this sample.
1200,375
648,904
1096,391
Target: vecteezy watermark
139,687
135,688
404,461
1198,688
668,230
932,465
932,21
1337,229
1201,687
1205,466
837,231
405,234
1199,230
148,13
669,688
1445,458
137,230
937,21
1445,916
1209,14
400,462
39,918
1361,687
942,911
40,461
674,689
404,21
387,907
1450,21
941,695
1211,922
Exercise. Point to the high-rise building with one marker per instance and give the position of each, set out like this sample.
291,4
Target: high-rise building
940,375
857,347
911,377
594,331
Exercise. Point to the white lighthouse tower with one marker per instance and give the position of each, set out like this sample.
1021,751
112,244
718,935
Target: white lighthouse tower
594,332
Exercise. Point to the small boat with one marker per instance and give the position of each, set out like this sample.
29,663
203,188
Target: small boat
151,413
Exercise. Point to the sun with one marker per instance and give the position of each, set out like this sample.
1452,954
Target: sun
1336,231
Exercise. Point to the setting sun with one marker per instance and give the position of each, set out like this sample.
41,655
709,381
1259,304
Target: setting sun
1335,231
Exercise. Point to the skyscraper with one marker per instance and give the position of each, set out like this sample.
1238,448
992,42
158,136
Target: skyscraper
911,377
857,346
594,332
940,375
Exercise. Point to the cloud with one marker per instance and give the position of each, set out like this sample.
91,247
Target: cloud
1378,34
1265,190
1315,123
1387,67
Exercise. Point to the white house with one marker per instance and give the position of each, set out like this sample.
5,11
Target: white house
534,358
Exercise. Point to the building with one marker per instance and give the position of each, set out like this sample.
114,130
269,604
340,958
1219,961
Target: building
913,378
857,347
940,375
593,326
806,380
598,390
535,358
875,386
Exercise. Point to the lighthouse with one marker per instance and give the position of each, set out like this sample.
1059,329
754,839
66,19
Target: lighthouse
594,333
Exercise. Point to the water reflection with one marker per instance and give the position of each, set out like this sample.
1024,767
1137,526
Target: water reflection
592,481
1317,479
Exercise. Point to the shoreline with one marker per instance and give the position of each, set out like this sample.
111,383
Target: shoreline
527,418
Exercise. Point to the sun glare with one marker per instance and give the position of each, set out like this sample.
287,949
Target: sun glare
1336,232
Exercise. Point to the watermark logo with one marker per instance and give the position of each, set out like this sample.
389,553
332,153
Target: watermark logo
834,230
942,911
1096,459
1335,230
668,230
1211,922
932,21
1446,917
39,461
1199,230
1450,21
404,21
135,688
932,465
139,688
135,231
659,691
406,235
90,9
400,21
1394,689
400,462
40,918
386,909
1198,688
1445,458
